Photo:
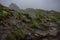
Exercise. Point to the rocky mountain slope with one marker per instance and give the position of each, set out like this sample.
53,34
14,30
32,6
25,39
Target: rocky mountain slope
14,6
31,24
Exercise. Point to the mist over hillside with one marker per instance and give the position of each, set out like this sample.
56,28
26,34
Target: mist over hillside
39,4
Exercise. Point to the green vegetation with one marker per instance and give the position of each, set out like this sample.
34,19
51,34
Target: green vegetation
44,25
26,20
16,34
27,16
3,15
23,19
34,22
1,7
31,29
56,19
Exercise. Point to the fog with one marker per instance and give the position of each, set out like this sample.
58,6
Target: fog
40,4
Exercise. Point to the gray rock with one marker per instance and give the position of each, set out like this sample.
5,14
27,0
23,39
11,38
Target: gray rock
32,15
53,31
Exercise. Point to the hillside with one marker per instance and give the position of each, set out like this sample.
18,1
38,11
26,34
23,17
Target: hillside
30,24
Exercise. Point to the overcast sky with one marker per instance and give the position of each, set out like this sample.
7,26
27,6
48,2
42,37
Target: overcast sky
41,4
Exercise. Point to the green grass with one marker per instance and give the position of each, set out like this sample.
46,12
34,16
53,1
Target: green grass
17,34
31,29
1,7
35,22
3,15
55,19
